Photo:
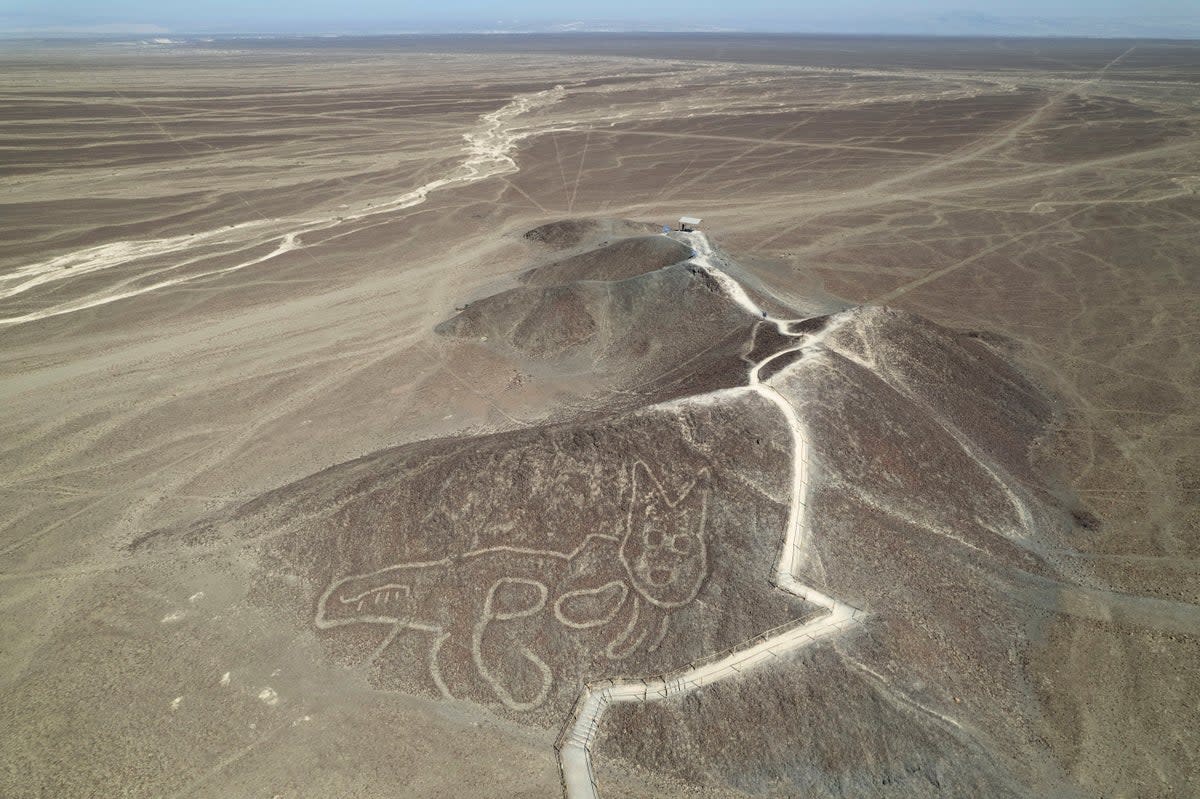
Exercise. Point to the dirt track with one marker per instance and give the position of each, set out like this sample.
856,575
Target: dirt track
574,747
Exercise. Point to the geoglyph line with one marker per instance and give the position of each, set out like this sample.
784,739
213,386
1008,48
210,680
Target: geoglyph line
575,742
410,595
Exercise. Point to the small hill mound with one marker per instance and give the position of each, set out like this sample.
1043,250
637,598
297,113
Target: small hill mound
624,316
616,261
637,331
565,234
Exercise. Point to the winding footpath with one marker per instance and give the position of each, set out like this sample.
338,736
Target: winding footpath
575,742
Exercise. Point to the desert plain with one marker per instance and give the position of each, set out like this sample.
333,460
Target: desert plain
290,326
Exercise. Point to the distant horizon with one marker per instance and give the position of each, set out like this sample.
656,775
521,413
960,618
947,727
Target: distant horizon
182,36
1108,19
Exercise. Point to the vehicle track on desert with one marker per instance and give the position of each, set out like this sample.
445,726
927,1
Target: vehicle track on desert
575,743
489,149
993,143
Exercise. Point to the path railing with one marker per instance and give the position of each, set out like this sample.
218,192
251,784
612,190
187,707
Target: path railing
575,740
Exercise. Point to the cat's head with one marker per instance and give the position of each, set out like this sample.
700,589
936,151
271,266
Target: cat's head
664,549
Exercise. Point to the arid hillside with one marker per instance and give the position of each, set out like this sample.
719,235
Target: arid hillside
512,570
365,434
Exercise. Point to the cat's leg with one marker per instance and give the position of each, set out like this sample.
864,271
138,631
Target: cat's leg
510,599
644,628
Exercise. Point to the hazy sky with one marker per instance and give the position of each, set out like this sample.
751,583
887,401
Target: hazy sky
317,16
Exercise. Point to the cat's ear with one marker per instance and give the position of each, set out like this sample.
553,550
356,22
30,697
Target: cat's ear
647,490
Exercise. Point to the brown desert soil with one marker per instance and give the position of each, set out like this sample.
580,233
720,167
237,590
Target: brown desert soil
356,414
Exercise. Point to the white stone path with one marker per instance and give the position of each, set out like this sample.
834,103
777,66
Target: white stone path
574,745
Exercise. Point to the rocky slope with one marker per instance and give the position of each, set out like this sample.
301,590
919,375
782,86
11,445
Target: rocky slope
511,569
